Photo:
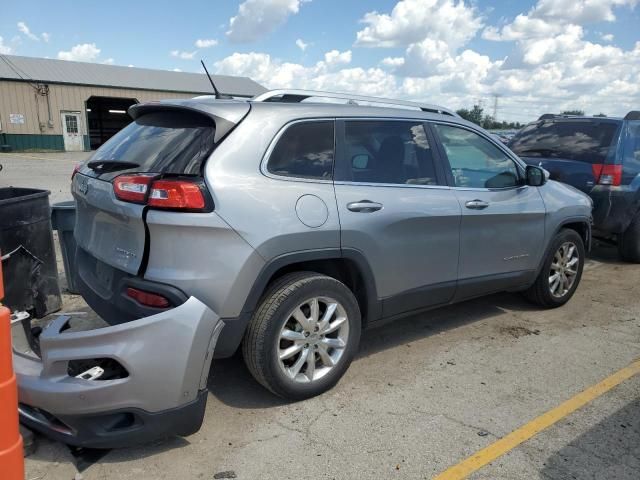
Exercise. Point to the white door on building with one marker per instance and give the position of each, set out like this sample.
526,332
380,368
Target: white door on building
71,131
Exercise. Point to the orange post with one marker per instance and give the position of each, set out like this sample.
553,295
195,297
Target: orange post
11,453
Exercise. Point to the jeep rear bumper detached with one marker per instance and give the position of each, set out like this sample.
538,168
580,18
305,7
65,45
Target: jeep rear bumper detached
157,388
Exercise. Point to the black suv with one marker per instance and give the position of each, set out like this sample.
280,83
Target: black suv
601,157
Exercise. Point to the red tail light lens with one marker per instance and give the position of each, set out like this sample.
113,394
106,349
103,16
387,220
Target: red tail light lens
147,298
178,194
607,174
76,169
132,188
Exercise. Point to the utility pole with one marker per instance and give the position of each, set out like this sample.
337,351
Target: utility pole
495,106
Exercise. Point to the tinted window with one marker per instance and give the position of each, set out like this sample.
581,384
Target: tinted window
305,150
476,162
584,141
163,142
631,163
388,152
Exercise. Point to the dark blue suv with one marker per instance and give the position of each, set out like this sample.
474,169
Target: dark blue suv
601,157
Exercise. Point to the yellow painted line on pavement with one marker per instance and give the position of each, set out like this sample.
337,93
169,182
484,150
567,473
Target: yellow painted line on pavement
535,426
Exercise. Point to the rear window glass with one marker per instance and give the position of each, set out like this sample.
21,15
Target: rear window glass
162,142
305,150
582,141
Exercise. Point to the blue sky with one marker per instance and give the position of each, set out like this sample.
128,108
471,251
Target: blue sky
559,52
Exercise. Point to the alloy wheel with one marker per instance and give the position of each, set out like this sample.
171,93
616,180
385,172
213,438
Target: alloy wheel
564,269
313,339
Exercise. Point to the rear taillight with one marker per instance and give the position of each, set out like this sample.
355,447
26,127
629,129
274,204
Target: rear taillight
147,298
178,194
132,188
168,193
607,174
76,169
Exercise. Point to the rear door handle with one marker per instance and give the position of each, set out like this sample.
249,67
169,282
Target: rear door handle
364,206
476,204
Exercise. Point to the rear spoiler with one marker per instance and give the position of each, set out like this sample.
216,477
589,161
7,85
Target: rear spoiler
225,113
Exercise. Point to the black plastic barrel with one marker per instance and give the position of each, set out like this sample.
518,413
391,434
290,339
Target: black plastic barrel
63,219
30,271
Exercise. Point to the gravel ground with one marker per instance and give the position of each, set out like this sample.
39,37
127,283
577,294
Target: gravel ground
424,393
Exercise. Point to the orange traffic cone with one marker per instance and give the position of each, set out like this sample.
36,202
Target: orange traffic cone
11,453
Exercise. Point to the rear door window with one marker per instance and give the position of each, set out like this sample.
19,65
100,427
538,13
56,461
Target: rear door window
388,152
176,142
304,150
581,140
476,162
631,163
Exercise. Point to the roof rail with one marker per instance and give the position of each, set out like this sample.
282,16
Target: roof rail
297,96
633,115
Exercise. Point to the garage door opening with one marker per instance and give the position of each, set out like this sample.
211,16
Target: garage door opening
106,116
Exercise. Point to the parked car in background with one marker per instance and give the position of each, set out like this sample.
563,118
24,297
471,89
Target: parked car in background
599,156
294,224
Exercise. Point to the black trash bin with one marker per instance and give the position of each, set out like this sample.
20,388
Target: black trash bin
29,259
63,219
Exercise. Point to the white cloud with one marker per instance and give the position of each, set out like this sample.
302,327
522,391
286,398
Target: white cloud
176,70
607,37
183,55
411,21
24,29
84,52
552,67
45,36
258,18
5,49
108,61
205,43
335,57
301,44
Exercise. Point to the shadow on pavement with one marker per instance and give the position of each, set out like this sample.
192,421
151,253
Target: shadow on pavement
611,449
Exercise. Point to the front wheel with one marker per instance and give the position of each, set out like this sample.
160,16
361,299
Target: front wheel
561,271
303,335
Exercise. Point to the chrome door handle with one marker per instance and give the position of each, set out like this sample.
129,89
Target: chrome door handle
364,206
476,204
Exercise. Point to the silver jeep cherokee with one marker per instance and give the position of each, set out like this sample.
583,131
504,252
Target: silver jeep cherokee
282,225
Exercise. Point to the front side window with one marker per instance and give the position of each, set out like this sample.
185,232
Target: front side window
305,150
476,162
392,152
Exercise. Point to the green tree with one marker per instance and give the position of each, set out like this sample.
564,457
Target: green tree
600,115
474,115
579,113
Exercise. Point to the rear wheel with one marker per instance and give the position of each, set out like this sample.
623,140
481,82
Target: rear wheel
629,242
561,271
303,335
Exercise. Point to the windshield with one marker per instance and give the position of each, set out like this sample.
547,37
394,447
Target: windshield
584,141
164,142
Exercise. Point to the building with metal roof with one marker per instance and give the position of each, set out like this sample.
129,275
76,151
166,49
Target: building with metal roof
50,104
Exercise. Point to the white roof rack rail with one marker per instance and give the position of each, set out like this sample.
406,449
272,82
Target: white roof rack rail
297,96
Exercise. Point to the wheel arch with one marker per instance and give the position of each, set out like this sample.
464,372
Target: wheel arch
346,265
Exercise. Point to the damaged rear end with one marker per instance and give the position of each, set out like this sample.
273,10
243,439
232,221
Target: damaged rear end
144,374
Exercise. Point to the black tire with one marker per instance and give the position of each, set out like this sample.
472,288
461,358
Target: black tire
540,292
262,339
629,242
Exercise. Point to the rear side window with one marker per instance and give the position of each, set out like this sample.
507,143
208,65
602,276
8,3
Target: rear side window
163,142
584,141
391,152
305,150
631,163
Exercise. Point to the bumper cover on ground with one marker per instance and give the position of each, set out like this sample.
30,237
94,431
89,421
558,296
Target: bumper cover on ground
166,357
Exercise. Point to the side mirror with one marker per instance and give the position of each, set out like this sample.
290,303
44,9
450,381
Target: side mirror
536,176
360,161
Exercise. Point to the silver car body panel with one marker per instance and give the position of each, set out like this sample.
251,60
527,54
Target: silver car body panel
166,355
